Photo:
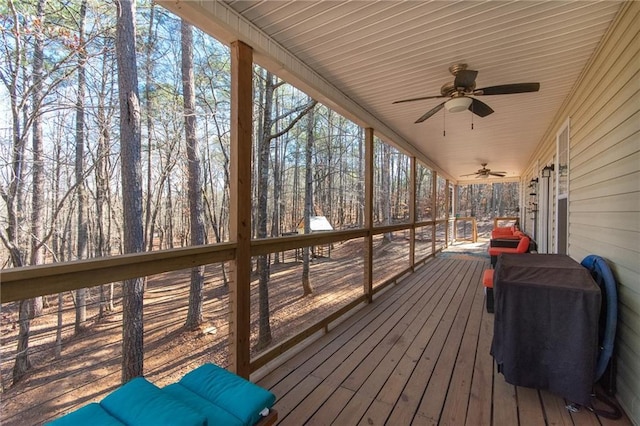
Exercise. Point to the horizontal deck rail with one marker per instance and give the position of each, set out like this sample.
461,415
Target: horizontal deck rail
41,280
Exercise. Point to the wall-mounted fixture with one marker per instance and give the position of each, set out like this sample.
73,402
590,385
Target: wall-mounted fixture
546,171
533,195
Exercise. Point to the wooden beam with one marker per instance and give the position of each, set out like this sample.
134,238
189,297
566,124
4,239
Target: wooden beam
368,214
240,206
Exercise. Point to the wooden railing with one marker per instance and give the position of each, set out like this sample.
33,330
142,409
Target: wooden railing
32,281
474,228
41,280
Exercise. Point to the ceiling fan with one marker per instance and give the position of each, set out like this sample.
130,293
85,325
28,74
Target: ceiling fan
484,173
463,87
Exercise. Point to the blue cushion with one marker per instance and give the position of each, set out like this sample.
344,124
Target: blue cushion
142,403
92,414
238,396
215,415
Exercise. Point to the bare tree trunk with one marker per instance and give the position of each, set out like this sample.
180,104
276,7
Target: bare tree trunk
219,224
264,144
81,303
277,185
23,363
148,224
169,215
360,185
103,240
58,250
308,202
194,314
58,347
328,199
399,190
295,190
37,204
223,216
130,145
386,189
14,197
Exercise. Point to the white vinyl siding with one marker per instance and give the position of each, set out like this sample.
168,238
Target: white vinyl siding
604,183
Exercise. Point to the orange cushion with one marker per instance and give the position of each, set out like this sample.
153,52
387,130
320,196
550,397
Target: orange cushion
487,278
495,251
523,245
501,232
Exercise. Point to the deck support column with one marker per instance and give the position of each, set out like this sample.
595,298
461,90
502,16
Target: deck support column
447,200
368,214
240,206
454,208
434,209
412,212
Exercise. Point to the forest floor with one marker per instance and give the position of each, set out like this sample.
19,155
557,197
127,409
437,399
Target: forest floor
89,364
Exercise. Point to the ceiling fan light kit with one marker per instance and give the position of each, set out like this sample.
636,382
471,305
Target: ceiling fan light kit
458,104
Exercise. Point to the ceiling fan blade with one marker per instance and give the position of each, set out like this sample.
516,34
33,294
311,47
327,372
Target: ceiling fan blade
419,99
470,174
465,78
480,108
508,89
499,174
430,113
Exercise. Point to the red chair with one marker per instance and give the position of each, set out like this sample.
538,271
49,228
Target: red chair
523,247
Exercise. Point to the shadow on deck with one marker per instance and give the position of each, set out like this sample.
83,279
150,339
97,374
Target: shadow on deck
418,355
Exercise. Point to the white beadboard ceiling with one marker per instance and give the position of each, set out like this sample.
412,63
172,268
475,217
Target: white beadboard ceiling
375,52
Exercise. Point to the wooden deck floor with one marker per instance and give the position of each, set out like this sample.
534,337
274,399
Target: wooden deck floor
418,355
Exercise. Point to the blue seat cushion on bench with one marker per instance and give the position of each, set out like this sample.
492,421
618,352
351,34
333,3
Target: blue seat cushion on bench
91,414
141,403
215,415
238,396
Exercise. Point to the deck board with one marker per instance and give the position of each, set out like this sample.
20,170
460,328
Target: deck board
419,354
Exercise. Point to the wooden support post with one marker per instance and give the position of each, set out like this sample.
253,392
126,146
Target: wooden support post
434,209
412,212
240,206
455,197
368,214
447,200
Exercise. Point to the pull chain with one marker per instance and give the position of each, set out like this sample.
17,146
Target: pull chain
444,123
472,114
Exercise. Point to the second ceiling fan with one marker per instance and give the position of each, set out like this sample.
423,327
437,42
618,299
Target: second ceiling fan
463,87
484,173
